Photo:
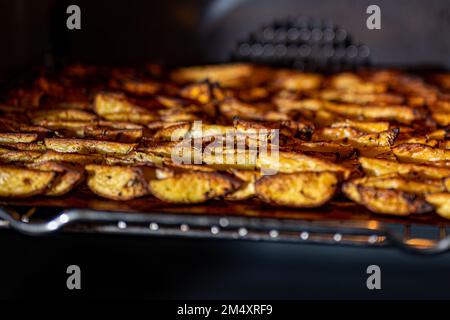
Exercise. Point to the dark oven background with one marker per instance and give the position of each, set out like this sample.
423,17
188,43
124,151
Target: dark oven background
33,33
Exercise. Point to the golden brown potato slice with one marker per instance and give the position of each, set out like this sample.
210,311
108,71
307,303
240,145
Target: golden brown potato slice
117,182
10,156
136,86
73,158
420,153
18,182
356,137
204,92
135,157
353,83
137,118
68,176
297,81
442,118
379,167
192,130
386,201
291,162
301,190
193,187
61,115
344,151
231,108
441,201
268,130
228,75
401,114
115,103
290,104
15,126
88,146
361,98
364,126
13,137
398,182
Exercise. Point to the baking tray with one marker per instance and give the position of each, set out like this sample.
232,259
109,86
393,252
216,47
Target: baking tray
339,223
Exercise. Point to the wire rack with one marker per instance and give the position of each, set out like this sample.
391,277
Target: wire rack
411,237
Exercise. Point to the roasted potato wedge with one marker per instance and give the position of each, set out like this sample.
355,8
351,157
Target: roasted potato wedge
420,153
68,176
402,114
300,190
193,187
88,146
16,182
356,137
290,162
386,201
119,182
441,201
379,167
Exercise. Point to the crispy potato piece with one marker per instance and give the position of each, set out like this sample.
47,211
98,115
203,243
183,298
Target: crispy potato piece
420,153
11,156
21,182
193,187
68,176
88,146
192,130
441,201
136,86
289,104
73,158
135,157
350,82
267,130
61,115
231,108
228,75
12,137
379,167
401,114
442,118
386,201
300,190
365,126
343,151
115,103
356,137
204,92
117,182
297,81
398,182
15,126
360,98
290,162
137,118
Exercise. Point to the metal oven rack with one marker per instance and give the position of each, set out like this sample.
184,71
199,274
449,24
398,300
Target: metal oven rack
410,237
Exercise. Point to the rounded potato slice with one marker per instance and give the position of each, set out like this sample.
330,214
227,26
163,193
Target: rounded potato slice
117,183
302,190
441,201
193,187
21,182
386,201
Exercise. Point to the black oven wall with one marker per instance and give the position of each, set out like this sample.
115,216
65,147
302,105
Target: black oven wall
199,31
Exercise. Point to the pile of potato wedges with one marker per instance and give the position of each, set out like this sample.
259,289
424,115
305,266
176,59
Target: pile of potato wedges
380,138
